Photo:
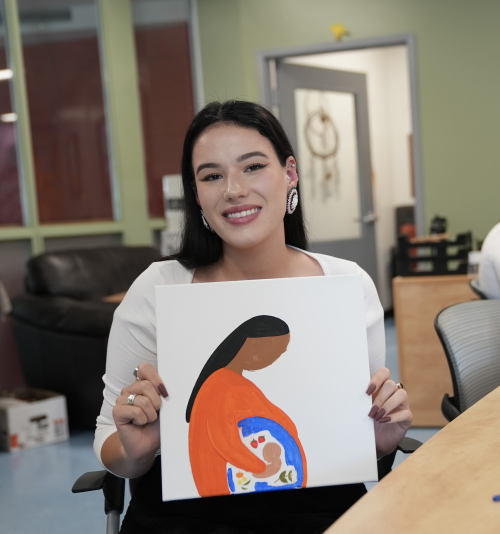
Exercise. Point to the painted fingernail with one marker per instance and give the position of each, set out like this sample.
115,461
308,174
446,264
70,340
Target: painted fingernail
385,419
163,391
380,414
373,411
371,389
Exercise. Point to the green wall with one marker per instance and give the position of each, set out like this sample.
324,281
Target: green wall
458,42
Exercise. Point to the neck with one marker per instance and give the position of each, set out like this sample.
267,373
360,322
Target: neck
234,366
270,259
266,260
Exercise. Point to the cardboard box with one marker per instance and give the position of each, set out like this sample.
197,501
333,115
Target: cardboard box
30,417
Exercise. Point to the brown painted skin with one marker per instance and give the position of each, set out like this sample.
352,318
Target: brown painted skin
259,353
271,453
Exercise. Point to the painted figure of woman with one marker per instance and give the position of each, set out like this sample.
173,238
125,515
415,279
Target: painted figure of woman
238,440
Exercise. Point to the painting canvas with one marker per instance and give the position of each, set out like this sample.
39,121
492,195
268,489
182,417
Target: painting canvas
266,383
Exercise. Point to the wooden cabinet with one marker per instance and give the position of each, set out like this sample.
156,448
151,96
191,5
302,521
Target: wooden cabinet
423,367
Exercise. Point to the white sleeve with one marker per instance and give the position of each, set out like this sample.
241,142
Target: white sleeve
132,340
374,317
489,274
374,313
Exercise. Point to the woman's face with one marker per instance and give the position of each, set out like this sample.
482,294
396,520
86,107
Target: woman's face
259,353
241,185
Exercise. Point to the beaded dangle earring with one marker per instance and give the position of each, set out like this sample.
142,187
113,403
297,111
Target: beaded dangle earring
292,199
205,222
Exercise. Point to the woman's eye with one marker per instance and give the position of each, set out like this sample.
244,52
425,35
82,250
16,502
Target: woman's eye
255,167
211,177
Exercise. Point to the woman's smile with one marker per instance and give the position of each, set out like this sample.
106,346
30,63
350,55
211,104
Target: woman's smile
243,214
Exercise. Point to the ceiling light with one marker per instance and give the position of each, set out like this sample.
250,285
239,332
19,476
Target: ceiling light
6,74
8,117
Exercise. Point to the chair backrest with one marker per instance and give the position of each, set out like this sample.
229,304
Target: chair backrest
474,285
470,334
87,273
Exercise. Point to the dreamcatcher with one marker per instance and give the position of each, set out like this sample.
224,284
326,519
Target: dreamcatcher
323,141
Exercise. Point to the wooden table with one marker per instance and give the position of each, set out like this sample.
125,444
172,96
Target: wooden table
116,298
446,486
423,368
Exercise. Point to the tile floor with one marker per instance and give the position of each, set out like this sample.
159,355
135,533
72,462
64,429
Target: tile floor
35,485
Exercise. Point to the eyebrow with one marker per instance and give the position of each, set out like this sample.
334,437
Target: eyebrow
207,166
251,155
239,159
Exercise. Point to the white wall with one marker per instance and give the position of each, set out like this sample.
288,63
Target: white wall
390,124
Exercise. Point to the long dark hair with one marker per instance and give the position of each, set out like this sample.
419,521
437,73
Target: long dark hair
199,246
224,354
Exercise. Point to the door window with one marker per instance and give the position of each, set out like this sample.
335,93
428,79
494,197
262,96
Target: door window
328,159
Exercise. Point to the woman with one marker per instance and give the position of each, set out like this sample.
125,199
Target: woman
242,222
489,265
222,462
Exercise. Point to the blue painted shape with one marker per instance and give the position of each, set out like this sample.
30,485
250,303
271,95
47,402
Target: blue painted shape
230,480
264,486
254,425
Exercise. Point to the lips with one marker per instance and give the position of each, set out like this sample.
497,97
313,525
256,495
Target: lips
240,214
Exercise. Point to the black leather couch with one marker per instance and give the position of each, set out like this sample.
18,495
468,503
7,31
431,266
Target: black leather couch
61,325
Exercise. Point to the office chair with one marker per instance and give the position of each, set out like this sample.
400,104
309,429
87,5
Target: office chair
474,285
470,335
113,487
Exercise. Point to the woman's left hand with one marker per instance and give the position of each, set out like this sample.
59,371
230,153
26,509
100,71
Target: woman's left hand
390,411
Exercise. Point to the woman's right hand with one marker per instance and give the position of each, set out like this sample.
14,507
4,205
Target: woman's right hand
138,425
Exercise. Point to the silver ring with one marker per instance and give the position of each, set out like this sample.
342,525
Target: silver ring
131,398
136,371
399,385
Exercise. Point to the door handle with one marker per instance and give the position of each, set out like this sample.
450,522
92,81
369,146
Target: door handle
369,218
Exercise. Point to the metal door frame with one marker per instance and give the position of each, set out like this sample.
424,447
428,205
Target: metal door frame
268,93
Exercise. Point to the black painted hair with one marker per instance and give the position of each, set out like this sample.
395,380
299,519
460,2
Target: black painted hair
200,247
224,354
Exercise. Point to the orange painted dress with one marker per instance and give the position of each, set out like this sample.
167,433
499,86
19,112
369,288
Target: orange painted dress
225,400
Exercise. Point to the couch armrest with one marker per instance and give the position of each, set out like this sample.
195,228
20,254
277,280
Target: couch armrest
64,314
